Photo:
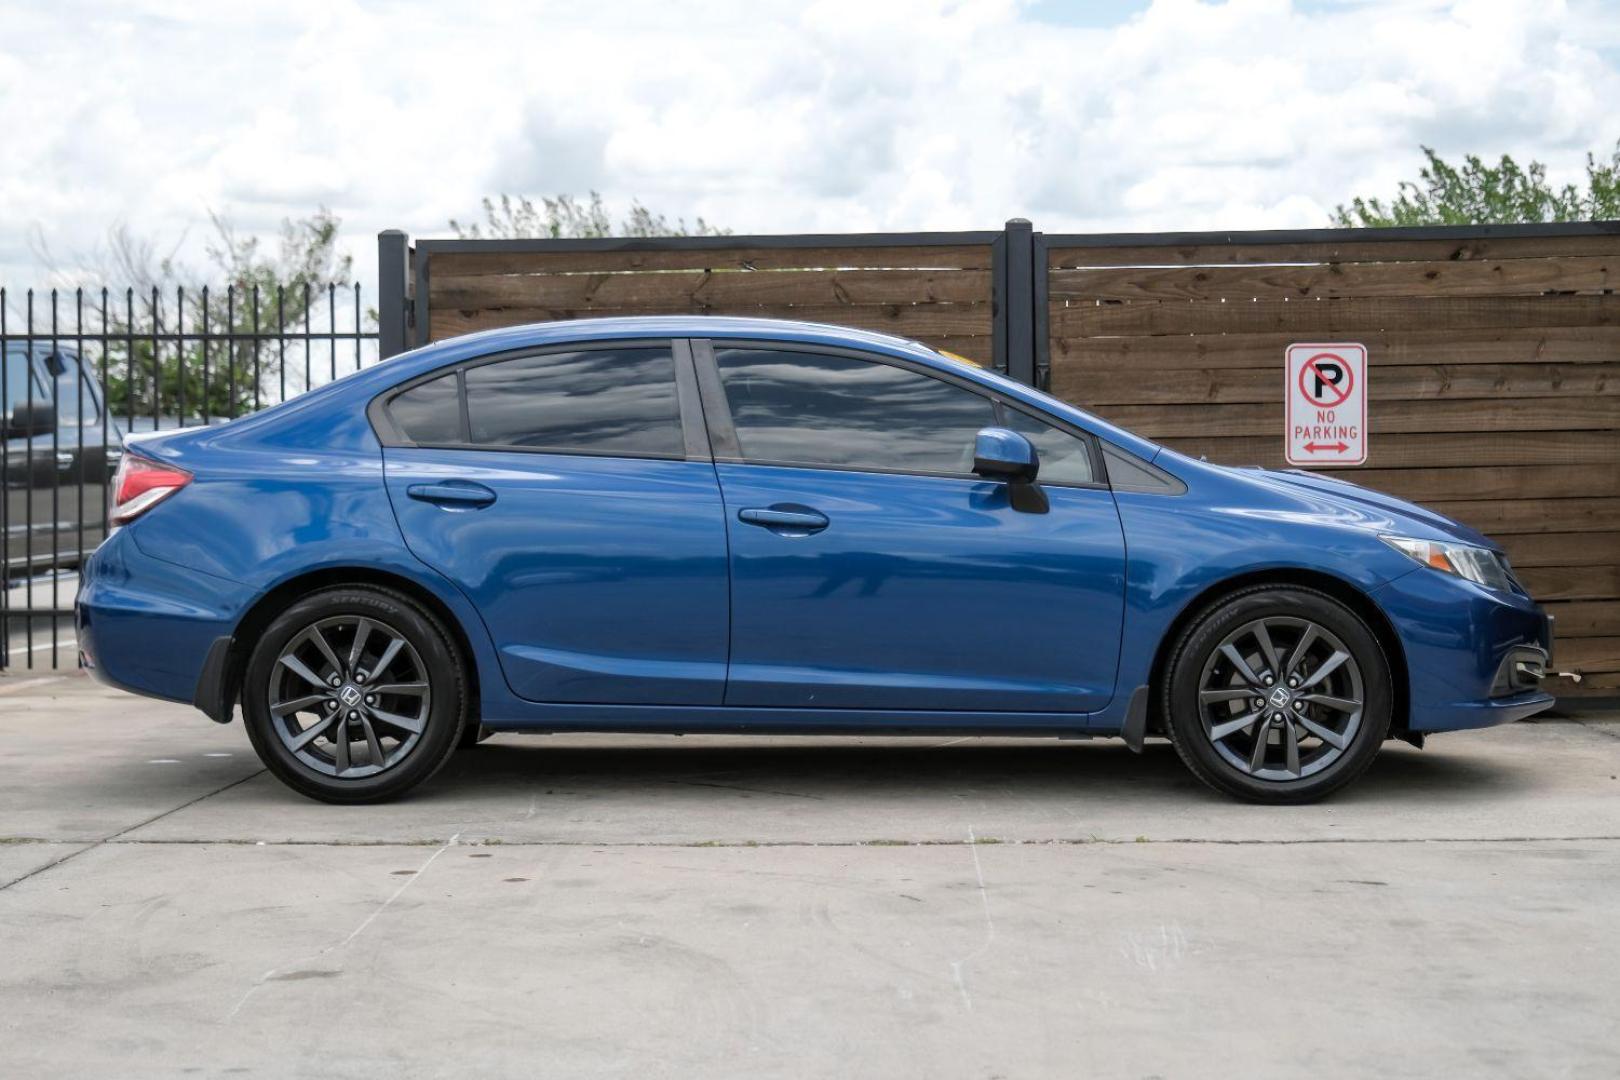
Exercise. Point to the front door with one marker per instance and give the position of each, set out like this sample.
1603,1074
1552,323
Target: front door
871,569
563,500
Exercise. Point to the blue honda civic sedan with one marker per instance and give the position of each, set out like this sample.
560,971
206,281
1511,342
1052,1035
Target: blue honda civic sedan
750,526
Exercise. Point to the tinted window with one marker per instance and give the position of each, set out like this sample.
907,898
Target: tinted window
1065,458
76,397
429,413
16,387
816,409
607,401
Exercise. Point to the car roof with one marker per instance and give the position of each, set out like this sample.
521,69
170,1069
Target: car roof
699,326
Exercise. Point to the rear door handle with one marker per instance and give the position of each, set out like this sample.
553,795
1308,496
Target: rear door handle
453,493
788,520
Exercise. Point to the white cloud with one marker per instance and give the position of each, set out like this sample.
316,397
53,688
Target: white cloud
771,117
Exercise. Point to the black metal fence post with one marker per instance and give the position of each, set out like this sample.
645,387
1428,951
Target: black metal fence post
393,275
1014,283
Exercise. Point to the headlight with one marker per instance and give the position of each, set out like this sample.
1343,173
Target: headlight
1479,565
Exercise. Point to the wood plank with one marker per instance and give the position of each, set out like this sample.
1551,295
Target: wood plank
1572,582
1317,319
1487,482
1552,345
1266,418
1585,618
905,320
1497,516
1131,385
1587,654
1350,250
1417,450
1469,277
695,290
1601,684
919,256
1561,549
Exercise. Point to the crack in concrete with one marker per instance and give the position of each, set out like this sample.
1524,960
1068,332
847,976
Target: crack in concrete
1089,841
93,843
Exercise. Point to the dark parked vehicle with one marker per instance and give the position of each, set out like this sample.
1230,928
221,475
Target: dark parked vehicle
59,449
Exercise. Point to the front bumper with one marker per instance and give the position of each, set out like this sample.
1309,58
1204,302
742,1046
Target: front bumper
1466,647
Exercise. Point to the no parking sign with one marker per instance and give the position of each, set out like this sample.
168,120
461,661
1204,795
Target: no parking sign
1327,404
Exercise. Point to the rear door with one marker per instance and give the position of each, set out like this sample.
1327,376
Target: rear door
570,494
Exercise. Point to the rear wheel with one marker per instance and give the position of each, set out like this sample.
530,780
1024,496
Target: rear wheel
1277,694
354,695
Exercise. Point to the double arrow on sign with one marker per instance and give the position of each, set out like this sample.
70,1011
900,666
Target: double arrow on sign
1313,447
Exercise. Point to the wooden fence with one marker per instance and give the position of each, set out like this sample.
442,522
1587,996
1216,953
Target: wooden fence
1494,379
1494,352
936,288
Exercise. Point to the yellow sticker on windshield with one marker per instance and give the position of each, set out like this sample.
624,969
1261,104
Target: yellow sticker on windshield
959,358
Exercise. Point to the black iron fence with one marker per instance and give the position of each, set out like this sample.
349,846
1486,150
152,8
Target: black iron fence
83,369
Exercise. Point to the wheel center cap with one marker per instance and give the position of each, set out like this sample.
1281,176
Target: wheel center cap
350,695
1280,698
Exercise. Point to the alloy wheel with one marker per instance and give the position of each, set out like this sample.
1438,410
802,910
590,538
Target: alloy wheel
1281,698
349,697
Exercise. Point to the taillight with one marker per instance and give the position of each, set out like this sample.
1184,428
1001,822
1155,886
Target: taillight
141,484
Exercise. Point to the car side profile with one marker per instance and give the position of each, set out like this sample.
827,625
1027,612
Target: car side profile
702,524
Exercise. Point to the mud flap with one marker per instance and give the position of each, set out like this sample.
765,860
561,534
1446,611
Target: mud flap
1135,730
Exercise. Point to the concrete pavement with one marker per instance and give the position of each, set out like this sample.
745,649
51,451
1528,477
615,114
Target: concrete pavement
605,906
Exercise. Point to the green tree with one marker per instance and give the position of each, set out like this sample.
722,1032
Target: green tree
564,217
1479,194
261,296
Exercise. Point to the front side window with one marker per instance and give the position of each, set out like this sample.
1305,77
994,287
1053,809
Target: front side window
1065,458
602,401
19,386
798,408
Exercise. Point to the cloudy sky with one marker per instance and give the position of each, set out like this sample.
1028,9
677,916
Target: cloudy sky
820,115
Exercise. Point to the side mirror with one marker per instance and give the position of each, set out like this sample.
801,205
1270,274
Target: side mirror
30,420
1002,454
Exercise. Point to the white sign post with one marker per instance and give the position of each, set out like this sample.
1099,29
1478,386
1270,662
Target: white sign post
1327,405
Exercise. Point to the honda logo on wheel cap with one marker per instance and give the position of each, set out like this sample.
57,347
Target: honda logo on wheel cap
350,695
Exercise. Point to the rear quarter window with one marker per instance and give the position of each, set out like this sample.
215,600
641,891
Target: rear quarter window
429,413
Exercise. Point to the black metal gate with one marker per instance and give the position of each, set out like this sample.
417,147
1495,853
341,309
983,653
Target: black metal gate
83,370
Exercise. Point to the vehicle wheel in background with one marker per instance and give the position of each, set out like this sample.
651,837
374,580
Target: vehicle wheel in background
354,694
1277,694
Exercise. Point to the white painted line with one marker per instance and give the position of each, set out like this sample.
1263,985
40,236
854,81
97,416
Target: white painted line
164,761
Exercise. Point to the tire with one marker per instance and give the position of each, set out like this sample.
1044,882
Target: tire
407,721
1319,734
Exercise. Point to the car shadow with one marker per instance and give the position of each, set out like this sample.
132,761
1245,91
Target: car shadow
926,768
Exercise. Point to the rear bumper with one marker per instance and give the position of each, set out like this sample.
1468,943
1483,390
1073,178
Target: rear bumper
150,626
1466,648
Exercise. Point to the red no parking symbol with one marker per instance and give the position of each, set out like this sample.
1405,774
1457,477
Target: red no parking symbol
1330,380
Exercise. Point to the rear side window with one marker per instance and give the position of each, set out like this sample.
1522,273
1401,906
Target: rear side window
600,401
797,408
429,413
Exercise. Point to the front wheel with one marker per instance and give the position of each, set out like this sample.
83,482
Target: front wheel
354,695
1278,695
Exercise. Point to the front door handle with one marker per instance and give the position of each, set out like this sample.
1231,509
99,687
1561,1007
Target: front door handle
462,494
785,519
